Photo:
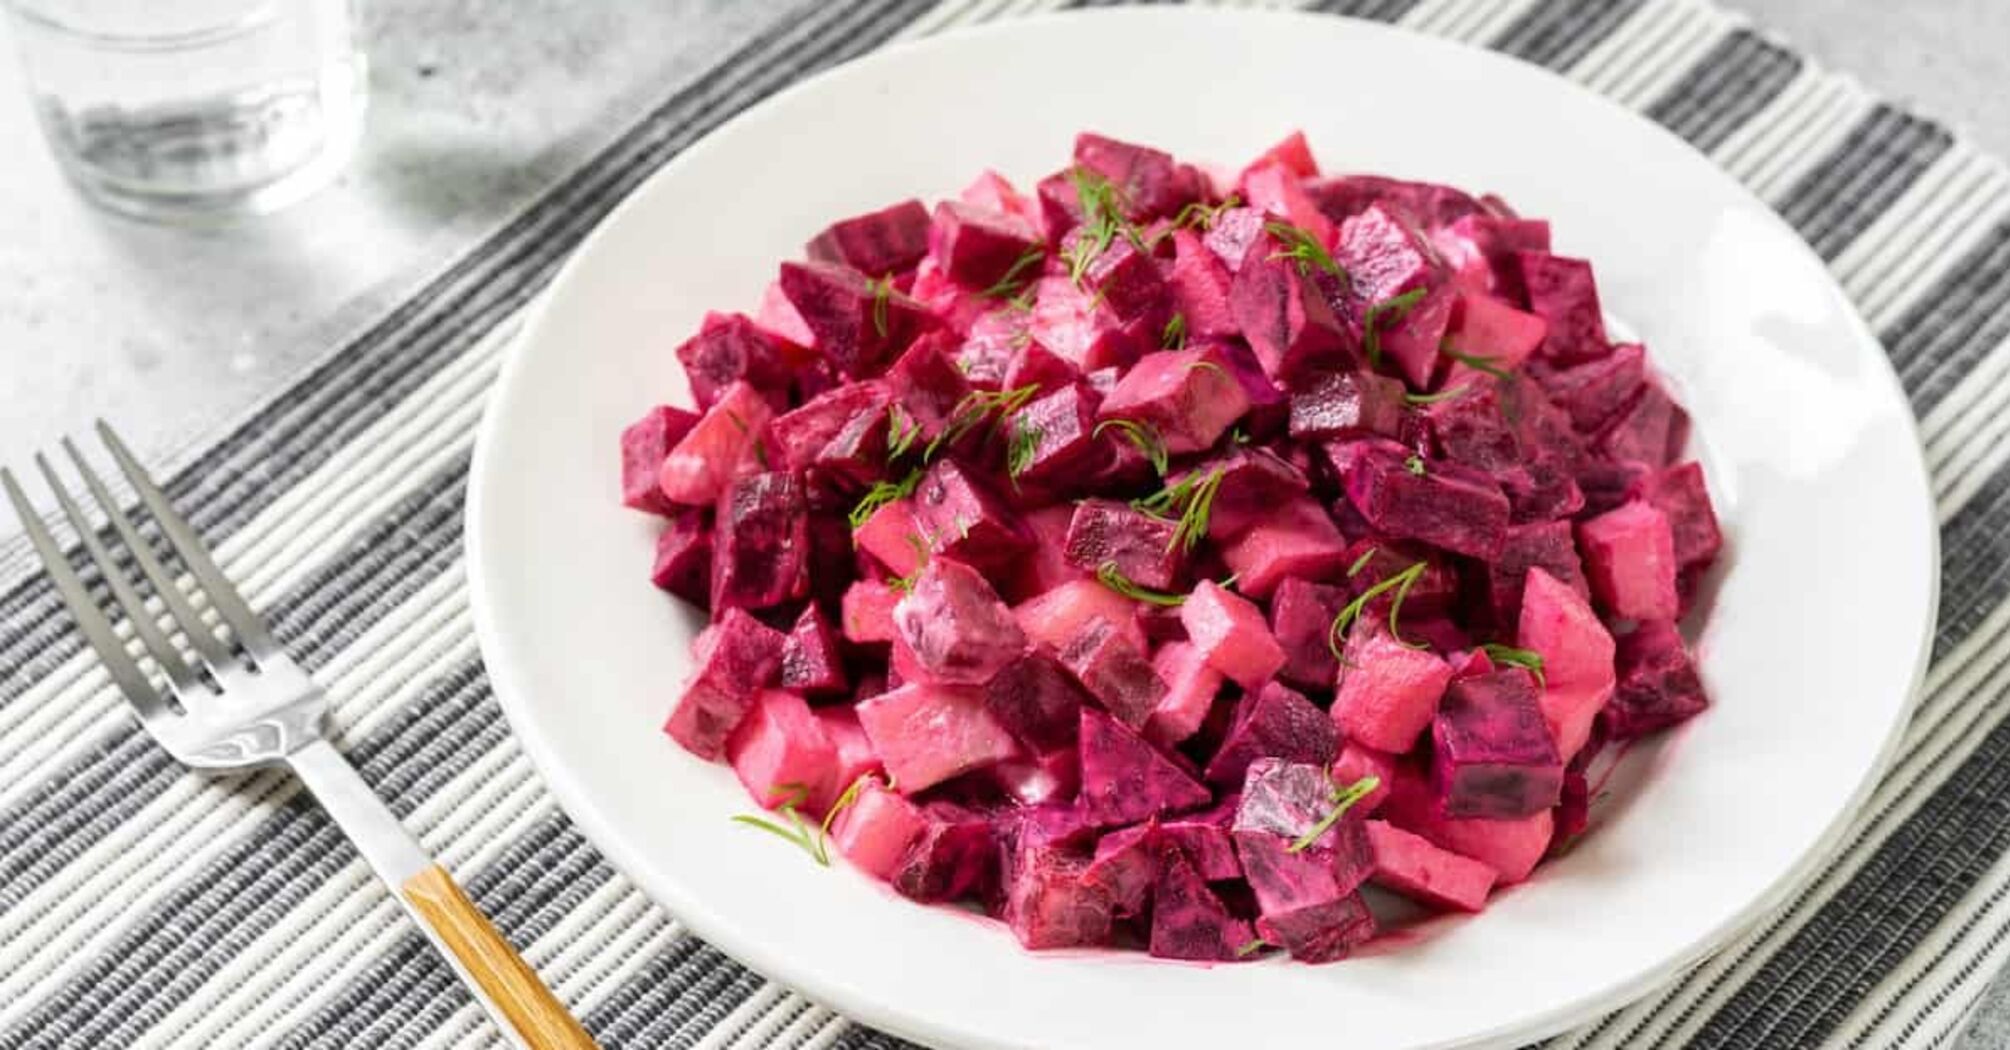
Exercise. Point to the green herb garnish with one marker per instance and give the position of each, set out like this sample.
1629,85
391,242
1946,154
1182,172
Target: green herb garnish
1021,446
1102,220
1400,583
1114,578
1173,336
813,841
882,294
1304,249
1432,399
975,409
1189,501
880,494
1361,562
1477,362
1388,312
1414,464
902,430
904,584
1251,948
1142,435
1527,659
1015,279
1343,800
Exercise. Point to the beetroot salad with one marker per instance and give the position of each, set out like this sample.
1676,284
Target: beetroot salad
1162,556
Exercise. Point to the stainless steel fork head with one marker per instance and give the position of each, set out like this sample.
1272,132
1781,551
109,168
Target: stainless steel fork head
235,703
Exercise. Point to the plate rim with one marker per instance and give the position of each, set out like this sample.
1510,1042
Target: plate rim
835,993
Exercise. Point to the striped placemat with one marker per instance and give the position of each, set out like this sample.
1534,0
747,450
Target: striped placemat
143,906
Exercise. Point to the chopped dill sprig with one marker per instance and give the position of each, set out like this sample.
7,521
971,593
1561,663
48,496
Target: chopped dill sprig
1304,249
1200,215
1022,444
1142,435
1476,362
1380,316
880,494
1432,399
1114,578
1400,583
1190,502
1414,464
902,430
975,409
1173,336
813,841
1343,800
1361,562
882,294
1102,220
904,584
1015,281
1527,659
1251,947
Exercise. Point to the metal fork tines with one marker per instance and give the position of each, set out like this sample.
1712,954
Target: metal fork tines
273,706
233,698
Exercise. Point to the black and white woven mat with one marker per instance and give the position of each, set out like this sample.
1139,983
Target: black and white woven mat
144,906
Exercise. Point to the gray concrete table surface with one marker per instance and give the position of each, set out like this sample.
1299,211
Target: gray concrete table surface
479,104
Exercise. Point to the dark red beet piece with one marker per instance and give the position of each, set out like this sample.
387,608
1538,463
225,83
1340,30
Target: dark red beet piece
1126,865
1423,203
1286,314
760,549
683,563
1189,921
1461,512
643,445
1139,544
1469,429
956,856
959,630
961,517
1125,779
1346,404
1306,898
1254,483
977,248
730,348
842,432
989,346
1681,494
1114,672
860,324
1593,392
928,385
1276,722
1128,280
1658,684
876,243
1492,755
812,659
736,657
1563,292
1204,837
1035,698
1547,545
1607,485
1301,617
1235,233
1651,429
1057,433
1149,183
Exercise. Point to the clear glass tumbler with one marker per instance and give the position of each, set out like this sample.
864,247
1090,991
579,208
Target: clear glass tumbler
194,109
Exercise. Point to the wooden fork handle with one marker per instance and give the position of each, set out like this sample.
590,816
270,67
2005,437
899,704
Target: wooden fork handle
540,1020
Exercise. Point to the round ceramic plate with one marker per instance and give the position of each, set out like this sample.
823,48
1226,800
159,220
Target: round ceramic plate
1812,650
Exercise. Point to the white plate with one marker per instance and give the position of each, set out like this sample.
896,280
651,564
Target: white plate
1815,647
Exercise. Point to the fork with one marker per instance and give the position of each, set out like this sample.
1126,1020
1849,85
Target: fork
244,703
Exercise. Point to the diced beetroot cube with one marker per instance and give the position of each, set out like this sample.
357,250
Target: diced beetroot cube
1273,722
877,830
1035,698
1230,632
1492,753
1542,489
1235,233
891,536
1293,153
1305,898
1346,404
781,752
1479,250
1593,392
1126,865
1557,623
1658,684
1203,836
842,430
1607,485
1140,545
1285,313
1188,397
1546,545
867,615
740,656
1510,847
1458,511
1563,292
1189,921
961,517
1080,329
644,445
1682,495
993,192
760,549
1300,540
1254,483
1651,429
1276,190
1371,561
876,243
1161,625
987,349
928,386
1413,867
1384,255
777,317
928,733
1058,431
1424,204
811,660
855,757
1570,711
1411,337
1629,556
1325,931
1470,429
955,856
728,349
1045,566
977,248
1492,330
1301,616
683,564
1128,280
1290,800
1148,182
1125,779
1060,616
1115,672
959,630
1200,285
1355,762
860,324
1048,902
1191,688
707,457
1032,364
1388,691
1052,778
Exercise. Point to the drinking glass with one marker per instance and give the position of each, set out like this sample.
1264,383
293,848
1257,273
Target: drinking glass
194,109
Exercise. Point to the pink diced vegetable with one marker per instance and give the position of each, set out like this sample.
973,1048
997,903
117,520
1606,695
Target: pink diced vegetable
1658,684
876,243
1300,540
781,752
1189,921
1125,779
1191,688
644,446
705,459
1187,397
742,656
1229,631
1115,672
958,628
1388,691
1274,722
1491,748
926,734
1411,866
875,832
1629,556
